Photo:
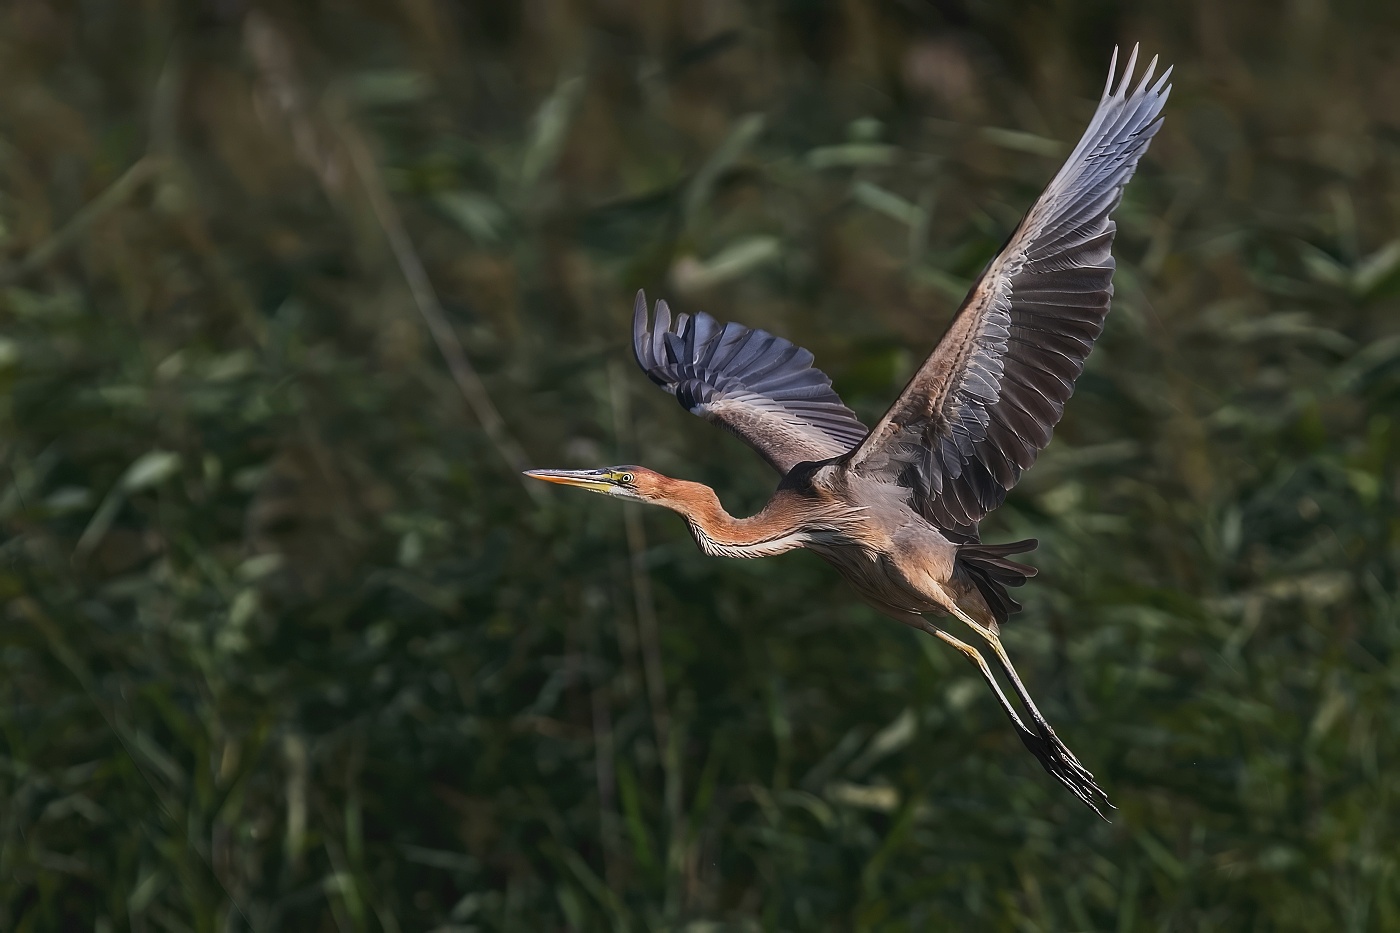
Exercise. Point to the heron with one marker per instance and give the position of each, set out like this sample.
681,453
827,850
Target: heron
896,508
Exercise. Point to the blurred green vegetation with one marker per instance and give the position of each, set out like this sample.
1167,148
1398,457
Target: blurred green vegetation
286,645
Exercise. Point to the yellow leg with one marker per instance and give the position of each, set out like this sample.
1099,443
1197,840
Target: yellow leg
1053,754
975,657
1004,662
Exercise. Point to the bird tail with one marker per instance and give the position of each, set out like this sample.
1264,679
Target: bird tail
992,572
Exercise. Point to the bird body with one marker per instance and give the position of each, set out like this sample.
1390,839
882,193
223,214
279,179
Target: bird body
897,560
896,508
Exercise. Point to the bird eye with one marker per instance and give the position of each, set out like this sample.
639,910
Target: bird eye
626,478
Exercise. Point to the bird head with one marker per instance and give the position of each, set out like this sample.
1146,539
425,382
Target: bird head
625,482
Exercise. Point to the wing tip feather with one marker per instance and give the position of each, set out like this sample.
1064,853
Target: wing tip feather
1112,70
1121,93
640,324
1117,84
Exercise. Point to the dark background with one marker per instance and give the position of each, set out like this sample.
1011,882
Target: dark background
286,644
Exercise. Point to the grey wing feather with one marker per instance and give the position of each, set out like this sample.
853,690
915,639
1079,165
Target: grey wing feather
984,404
759,387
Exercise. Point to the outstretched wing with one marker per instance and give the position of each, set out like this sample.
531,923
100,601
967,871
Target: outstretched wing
759,387
984,404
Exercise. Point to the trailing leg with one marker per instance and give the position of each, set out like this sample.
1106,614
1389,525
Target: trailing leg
1042,742
975,657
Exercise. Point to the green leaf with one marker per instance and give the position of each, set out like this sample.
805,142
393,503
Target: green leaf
745,132
886,202
478,215
735,260
851,155
150,469
1021,141
549,130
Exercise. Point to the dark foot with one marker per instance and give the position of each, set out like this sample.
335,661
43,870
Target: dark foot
1065,768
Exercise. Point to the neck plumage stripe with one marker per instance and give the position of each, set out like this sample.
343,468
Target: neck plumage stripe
785,541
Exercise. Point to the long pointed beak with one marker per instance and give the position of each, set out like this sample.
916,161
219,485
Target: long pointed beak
592,480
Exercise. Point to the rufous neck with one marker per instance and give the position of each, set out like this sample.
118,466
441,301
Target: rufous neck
773,530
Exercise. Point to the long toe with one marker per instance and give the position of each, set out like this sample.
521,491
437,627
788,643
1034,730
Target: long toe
1057,759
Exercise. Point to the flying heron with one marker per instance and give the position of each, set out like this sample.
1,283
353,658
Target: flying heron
895,509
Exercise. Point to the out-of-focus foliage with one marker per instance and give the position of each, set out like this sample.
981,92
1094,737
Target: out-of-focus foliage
285,643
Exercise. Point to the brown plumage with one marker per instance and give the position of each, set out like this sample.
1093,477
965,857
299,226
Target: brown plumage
896,509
